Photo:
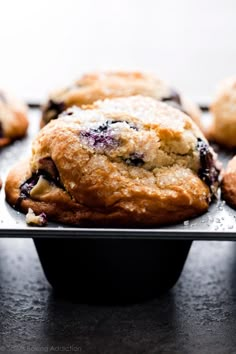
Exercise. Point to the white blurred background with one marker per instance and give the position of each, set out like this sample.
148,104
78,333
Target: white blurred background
48,43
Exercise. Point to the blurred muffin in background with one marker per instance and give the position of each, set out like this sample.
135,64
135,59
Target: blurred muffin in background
228,185
223,109
98,86
13,119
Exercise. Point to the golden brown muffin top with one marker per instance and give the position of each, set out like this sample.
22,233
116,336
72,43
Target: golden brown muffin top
123,143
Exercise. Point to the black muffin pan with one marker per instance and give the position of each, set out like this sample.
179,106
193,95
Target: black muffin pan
111,265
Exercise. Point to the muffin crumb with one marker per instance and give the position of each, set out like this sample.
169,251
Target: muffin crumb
35,220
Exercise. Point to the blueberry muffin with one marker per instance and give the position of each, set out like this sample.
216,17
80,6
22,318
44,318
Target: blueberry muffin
98,86
228,186
223,109
126,162
13,119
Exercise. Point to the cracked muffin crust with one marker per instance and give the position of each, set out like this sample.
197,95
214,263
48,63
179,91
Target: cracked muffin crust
13,119
121,162
98,86
223,109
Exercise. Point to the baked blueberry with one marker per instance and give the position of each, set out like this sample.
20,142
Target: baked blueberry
99,139
27,186
52,110
49,169
135,159
1,130
208,170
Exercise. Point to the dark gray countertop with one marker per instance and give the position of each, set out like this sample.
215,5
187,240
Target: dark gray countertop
197,316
